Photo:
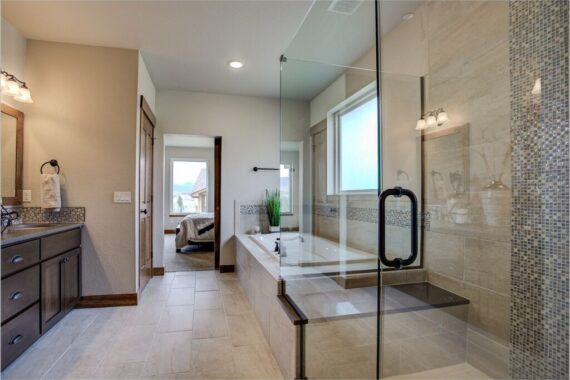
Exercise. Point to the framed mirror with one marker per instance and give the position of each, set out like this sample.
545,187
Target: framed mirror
12,155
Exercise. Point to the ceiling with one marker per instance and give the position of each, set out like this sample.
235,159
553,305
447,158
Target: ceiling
186,44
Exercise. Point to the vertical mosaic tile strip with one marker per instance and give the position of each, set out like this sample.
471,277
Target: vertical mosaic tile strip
65,215
540,212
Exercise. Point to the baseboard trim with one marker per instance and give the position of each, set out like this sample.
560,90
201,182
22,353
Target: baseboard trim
158,271
227,268
170,232
108,300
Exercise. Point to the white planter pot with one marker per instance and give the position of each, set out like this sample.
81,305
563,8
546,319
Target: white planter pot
496,203
273,229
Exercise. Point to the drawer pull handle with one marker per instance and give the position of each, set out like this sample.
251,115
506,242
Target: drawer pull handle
16,259
17,339
16,296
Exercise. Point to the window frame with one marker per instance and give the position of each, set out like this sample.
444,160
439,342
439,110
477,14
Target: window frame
291,169
358,99
171,183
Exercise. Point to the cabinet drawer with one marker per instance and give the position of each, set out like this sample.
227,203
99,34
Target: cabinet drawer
19,334
20,291
55,244
20,256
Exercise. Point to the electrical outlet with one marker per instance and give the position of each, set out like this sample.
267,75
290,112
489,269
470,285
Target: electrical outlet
122,197
26,196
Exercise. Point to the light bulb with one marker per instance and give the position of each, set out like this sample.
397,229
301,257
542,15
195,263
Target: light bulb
537,89
12,88
421,124
3,80
235,64
24,96
442,118
431,121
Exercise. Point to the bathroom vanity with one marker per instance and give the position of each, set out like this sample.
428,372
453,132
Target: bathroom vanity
41,282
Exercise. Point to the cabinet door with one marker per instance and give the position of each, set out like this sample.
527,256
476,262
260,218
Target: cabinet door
71,279
52,292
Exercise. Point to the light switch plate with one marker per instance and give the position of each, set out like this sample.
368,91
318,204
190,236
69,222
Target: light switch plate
122,197
26,196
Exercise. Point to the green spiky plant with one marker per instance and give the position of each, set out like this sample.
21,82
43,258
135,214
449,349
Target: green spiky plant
273,207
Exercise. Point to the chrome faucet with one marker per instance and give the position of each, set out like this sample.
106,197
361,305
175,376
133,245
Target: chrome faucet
8,218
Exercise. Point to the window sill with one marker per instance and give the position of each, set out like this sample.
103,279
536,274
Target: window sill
287,214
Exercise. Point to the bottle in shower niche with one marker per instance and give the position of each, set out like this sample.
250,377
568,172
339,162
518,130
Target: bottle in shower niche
496,204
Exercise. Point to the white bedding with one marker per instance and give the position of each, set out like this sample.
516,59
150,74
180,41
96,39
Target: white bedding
190,228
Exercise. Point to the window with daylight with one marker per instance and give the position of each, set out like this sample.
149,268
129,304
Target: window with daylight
286,187
357,146
189,187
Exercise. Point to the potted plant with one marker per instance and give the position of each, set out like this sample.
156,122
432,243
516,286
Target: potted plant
273,209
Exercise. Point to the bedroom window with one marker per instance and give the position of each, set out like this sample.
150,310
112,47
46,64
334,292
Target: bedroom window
286,188
189,186
355,131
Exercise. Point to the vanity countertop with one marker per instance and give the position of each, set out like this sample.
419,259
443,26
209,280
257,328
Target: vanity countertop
20,233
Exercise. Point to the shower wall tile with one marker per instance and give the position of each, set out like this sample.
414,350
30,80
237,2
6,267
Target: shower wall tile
445,254
487,265
487,309
483,352
540,215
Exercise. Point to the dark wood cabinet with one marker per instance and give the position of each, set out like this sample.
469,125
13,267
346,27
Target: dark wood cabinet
71,279
60,287
39,289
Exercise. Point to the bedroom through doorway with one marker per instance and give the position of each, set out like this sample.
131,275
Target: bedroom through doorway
191,180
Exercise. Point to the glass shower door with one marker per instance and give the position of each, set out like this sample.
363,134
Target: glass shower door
444,236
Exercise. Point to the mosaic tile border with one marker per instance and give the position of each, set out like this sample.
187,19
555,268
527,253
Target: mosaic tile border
398,218
540,184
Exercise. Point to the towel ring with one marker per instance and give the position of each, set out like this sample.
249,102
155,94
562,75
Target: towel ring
53,163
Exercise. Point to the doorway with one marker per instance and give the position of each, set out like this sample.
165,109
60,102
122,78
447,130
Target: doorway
192,167
146,143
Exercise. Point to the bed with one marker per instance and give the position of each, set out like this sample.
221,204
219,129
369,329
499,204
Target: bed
195,229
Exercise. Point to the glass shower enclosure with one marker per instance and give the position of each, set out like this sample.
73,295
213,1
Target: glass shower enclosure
396,185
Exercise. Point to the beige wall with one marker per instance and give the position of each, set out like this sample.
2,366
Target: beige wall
249,127
13,56
83,116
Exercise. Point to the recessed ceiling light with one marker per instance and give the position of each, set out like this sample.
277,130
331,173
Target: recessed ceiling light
408,16
235,64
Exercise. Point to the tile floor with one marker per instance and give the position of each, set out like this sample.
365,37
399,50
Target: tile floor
188,325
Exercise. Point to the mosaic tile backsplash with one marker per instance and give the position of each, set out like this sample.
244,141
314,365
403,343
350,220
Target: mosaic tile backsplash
540,213
37,215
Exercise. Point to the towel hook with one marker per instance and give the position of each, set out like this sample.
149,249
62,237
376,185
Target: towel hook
52,162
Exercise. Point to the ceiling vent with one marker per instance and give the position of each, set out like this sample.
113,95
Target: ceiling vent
345,7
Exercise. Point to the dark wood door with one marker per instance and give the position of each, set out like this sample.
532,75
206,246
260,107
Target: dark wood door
71,282
148,121
52,292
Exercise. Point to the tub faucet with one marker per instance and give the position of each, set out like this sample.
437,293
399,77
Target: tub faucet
276,249
8,218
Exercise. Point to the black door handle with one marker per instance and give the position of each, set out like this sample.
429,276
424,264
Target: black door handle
398,263
144,211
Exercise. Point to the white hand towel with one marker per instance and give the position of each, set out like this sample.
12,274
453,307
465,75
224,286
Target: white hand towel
50,192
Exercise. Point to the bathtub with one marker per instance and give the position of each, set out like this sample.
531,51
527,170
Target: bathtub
313,254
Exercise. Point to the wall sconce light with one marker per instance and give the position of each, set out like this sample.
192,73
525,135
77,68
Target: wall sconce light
432,119
12,86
